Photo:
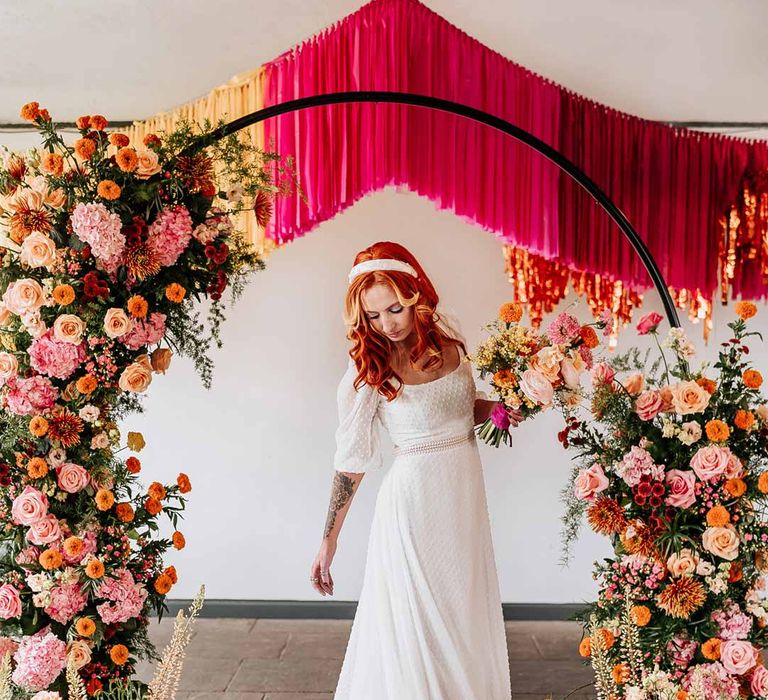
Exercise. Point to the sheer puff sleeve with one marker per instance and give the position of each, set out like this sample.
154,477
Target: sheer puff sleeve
450,323
357,436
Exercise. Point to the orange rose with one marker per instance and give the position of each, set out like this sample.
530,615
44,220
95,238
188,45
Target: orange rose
51,559
718,516
37,467
137,306
179,541
511,312
735,487
163,584
30,111
152,506
745,309
85,148
689,397
94,569
711,649
183,482
156,490
175,292
108,189
86,384
133,465
98,123
752,378
73,546
127,160
63,294
85,626
161,360
148,165
744,419
717,431
119,654
104,499
119,140
52,163
38,426
124,512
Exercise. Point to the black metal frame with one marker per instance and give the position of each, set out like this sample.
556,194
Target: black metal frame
404,98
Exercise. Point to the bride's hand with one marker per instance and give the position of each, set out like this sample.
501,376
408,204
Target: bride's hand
515,417
321,568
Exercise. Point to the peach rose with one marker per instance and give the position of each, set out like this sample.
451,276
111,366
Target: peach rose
689,397
23,296
69,329
45,530
161,360
10,602
723,541
737,656
547,361
80,652
148,164
683,562
136,377
570,372
5,315
680,488
38,250
762,412
56,199
9,366
635,383
117,323
29,506
710,462
72,477
590,482
536,387
648,404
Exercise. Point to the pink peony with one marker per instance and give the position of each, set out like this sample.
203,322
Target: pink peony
737,656
55,358
10,602
536,387
101,229
680,488
649,322
710,462
126,598
649,404
66,601
72,477
29,506
590,482
39,659
147,332
44,531
27,397
169,234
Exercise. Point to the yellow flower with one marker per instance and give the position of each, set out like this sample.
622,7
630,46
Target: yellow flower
136,442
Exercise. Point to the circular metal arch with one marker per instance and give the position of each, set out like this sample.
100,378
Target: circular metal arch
405,98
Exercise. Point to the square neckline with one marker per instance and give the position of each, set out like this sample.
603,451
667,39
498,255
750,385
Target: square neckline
453,371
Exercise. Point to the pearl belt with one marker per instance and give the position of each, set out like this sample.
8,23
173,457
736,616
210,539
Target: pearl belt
436,445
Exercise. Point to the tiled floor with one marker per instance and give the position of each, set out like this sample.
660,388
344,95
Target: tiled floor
268,659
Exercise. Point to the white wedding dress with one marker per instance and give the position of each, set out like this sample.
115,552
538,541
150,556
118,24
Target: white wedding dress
429,623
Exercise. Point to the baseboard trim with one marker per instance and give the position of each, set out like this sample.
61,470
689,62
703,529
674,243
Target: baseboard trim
345,610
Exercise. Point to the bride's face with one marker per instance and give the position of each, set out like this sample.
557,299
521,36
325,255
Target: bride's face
386,314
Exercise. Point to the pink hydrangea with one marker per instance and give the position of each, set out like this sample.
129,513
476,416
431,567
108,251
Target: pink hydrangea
635,464
66,601
734,624
681,650
55,358
30,396
125,598
145,332
563,329
101,229
169,234
713,679
39,659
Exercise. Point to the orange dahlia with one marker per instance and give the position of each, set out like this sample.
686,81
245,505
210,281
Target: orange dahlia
717,431
137,306
711,649
620,673
156,490
707,384
63,294
85,626
108,189
152,506
682,597
606,516
752,378
510,312
718,516
640,615
133,465
735,487
179,540
745,309
119,140
175,292
73,546
37,467
85,148
119,654
170,571
124,512
98,123
105,499
163,584
127,160
744,419
589,336
182,480
30,111
762,482
83,123
38,426
51,559
94,569
52,163
585,647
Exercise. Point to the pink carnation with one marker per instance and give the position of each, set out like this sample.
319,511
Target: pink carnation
27,397
147,332
126,598
67,600
55,358
39,659
563,329
169,234
101,229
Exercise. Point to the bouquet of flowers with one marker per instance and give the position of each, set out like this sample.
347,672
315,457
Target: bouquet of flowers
531,372
672,465
105,247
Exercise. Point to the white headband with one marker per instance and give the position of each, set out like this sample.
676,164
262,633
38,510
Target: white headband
381,264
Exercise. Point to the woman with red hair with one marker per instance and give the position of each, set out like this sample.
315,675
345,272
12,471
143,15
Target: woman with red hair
429,623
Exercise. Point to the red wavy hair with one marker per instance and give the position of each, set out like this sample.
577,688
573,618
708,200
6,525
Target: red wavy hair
370,349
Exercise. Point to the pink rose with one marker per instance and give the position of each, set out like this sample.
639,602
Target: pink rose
735,469
723,542
23,296
759,681
45,530
571,375
649,322
148,165
737,656
710,462
72,477
29,506
602,373
680,488
590,482
683,562
536,387
547,361
649,404
10,602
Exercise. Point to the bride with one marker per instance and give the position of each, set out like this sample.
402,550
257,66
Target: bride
429,622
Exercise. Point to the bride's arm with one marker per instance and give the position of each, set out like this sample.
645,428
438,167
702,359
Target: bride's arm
343,489
483,409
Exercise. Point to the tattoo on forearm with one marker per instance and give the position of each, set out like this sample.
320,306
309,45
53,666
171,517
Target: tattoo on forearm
341,492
